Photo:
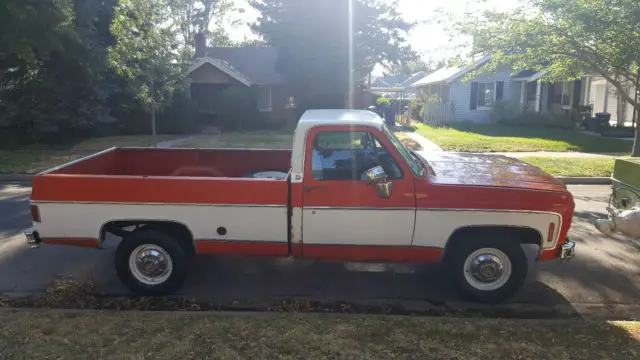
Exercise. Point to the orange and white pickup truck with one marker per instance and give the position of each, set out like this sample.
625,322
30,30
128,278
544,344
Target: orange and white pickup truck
347,191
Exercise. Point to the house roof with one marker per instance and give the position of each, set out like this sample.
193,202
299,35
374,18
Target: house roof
397,81
450,73
528,75
222,66
253,64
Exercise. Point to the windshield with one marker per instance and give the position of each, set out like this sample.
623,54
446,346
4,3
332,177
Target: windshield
414,163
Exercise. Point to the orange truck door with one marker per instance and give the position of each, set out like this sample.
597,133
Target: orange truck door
343,216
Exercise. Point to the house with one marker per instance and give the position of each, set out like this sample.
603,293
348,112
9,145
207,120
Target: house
253,67
602,96
449,97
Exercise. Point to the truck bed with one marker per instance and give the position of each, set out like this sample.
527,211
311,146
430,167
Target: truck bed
151,175
170,162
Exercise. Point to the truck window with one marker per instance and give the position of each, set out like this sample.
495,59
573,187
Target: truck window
347,155
411,160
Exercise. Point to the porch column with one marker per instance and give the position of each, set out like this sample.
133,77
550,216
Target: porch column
538,96
523,95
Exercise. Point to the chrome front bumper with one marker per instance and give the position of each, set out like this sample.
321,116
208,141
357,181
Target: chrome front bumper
33,238
568,250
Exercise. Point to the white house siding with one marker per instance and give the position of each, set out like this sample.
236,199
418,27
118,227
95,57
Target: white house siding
461,94
621,111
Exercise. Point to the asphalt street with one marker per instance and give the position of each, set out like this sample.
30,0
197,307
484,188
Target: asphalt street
605,272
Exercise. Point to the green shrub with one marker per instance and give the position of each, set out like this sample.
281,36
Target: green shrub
236,109
383,101
181,117
505,111
510,113
416,109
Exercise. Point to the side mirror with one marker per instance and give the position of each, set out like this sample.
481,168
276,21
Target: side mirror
378,177
375,175
384,189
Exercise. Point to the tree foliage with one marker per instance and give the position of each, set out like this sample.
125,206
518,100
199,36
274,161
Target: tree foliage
53,85
64,75
412,66
565,38
147,52
313,40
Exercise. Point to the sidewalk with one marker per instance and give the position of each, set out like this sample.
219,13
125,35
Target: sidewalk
551,154
170,143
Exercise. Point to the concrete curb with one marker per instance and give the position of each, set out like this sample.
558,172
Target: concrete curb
584,180
565,179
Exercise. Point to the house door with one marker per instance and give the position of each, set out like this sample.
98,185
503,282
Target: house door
343,217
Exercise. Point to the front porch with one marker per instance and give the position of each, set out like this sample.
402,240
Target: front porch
563,98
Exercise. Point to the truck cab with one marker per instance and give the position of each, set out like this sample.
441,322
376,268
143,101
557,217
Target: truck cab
348,190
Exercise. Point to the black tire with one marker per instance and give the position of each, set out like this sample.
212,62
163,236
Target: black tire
157,238
455,266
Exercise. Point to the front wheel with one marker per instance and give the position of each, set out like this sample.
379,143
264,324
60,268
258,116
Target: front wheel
488,271
151,263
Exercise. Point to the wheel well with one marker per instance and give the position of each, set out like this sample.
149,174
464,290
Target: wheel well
522,235
177,230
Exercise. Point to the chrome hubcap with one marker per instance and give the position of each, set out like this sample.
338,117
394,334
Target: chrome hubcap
150,264
487,269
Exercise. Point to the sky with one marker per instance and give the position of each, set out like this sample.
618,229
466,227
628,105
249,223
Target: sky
429,37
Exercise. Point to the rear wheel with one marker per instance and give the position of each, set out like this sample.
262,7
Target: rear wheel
151,263
488,271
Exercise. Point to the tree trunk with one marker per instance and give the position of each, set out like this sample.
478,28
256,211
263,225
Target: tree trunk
635,151
153,122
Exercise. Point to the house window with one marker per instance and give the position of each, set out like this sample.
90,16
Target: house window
486,94
563,93
567,92
264,98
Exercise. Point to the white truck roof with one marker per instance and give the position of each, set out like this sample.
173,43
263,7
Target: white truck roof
312,118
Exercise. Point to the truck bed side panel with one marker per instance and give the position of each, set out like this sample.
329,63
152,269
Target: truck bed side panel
78,206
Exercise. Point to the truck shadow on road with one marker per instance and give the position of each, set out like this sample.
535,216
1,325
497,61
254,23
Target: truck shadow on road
399,288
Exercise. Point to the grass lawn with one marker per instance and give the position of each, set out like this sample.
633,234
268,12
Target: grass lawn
473,137
58,334
30,160
558,166
249,139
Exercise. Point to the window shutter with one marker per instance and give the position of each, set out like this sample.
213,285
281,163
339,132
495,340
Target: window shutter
473,101
551,93
499,90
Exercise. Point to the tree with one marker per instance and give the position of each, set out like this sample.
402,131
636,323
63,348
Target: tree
565,38
199,20
53,82
323,44
147,52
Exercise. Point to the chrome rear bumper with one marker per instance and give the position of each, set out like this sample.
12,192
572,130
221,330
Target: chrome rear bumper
568,250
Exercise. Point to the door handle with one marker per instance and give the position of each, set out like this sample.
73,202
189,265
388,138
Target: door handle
311,188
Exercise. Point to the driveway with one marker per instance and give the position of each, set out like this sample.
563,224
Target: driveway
604,277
